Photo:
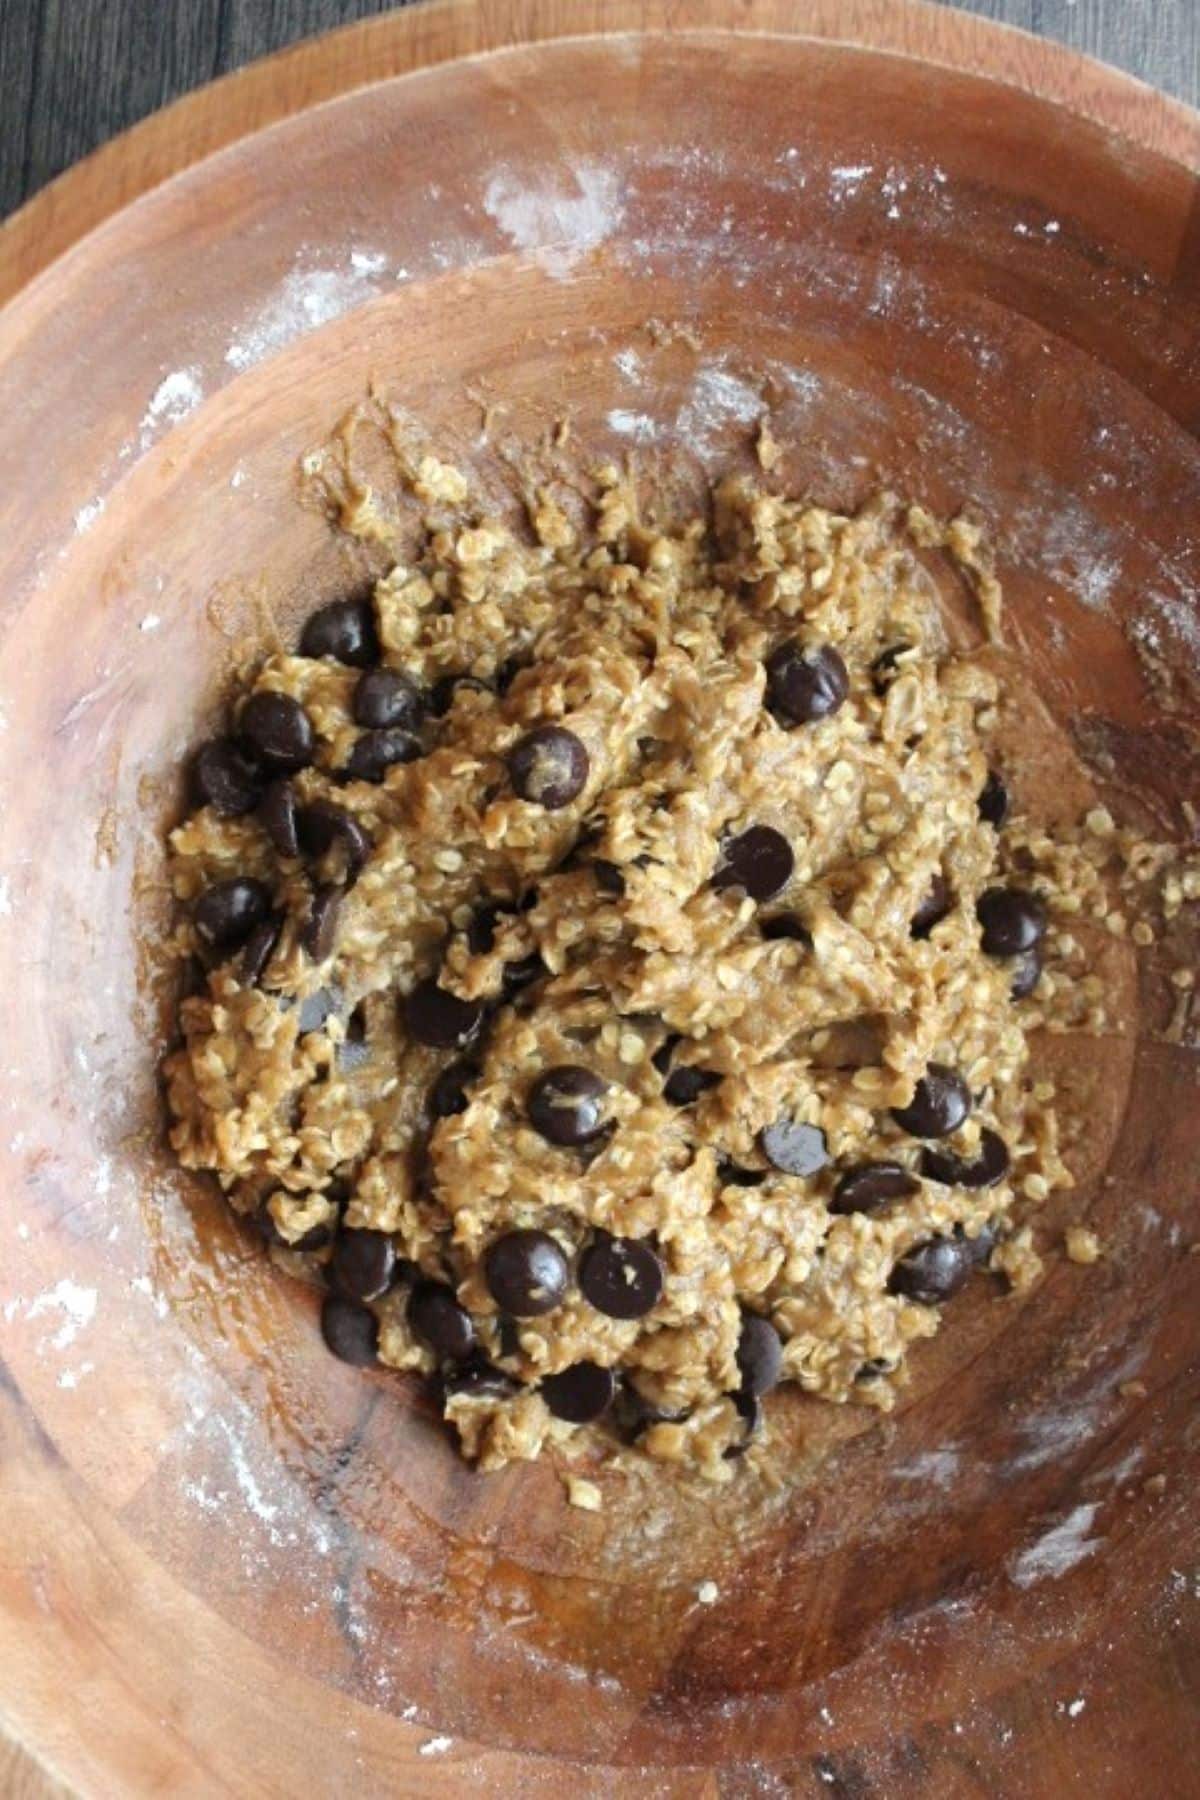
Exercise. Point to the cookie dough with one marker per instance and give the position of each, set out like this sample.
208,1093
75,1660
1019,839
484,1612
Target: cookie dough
611,970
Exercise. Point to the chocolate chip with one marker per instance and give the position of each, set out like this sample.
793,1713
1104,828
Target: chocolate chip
621,1277
440,1019
225,779
319,933
448,1095
883,669
872,1184
940,1103
666,1050
1026,972
549,767
439,1321
731,1174
526,1273
749,1409
258,951
759,860
759,1354
375,752
993,800
787,925
277,816
566,1104
277,731
609,878
384,698
351,1331
933,1271
933,908
1013,921
685,1084
226,913
363,1264
581,1393
480,1378
345,630
805,682
323,824
793,1148
983,1171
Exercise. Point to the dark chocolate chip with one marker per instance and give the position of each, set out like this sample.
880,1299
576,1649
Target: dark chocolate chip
363,1264
526,1272
983,1171
522,973
731,1174
621,1277
940,1103
549,767
873,1368
666,1050
439,1321
566,1105
759,860
749,1409
481,1378
226,913
685,1084
787,925
933,908
277,816
439,1018
259,949
872,1184
883,669
993,800
319,933
793,1148
448,1095
581,1393
345,630
225,779
609,878
1026,973
277,731
933,1271
323,824
759,1354
375,752
350,1330
805,682
386,698
1013,921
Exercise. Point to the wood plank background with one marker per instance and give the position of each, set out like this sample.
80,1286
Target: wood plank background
74,72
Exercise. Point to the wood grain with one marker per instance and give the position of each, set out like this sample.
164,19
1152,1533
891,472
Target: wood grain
75,72
231,1566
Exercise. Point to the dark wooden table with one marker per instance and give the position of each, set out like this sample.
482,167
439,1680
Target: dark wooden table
74,72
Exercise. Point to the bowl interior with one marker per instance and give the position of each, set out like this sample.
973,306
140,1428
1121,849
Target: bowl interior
926,282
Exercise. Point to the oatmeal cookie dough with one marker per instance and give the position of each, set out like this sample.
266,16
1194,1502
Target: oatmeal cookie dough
613,970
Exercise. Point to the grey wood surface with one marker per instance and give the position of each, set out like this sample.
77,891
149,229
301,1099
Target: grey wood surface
74,72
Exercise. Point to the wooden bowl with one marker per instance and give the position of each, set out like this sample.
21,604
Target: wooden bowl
942,256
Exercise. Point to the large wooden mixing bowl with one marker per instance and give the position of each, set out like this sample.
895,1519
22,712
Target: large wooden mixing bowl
942,257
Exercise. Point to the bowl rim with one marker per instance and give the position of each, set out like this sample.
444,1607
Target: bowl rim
421,36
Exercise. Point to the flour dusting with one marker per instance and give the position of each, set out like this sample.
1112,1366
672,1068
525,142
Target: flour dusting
560,222
718,400
307,299
77,1305
936,1466
87,515
639,426
1058,1549
176,395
